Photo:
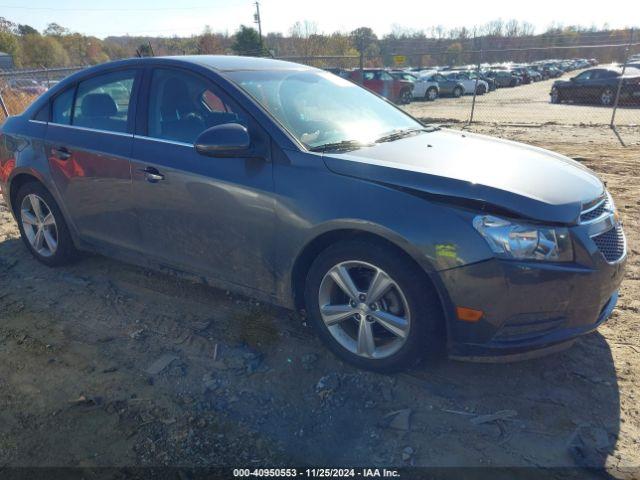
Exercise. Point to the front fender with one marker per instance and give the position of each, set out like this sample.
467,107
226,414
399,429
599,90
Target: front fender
311,201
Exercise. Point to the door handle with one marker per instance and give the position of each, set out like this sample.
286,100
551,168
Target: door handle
151,174
61,153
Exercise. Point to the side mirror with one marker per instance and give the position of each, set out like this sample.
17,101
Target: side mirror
223,140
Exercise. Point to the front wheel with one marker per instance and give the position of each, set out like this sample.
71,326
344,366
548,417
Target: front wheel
607,97
431,94
42,226
405,97
457,92
372,306
481,90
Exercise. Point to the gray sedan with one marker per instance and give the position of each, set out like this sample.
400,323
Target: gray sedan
295,186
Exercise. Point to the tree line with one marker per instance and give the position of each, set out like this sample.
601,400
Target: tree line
57,46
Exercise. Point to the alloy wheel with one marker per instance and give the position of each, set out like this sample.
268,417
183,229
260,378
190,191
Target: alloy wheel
607,97
39,225
364,309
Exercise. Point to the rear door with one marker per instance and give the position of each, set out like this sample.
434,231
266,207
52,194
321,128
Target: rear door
197,213
89,140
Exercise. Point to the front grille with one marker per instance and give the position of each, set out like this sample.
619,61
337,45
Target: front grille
611,243
596,212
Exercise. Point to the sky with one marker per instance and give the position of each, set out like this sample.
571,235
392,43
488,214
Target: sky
189,17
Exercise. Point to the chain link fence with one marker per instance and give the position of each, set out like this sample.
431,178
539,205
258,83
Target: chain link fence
18,88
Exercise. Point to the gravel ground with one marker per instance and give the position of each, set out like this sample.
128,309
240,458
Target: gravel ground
105,364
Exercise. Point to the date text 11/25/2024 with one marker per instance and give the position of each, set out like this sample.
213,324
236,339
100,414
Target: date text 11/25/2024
316,473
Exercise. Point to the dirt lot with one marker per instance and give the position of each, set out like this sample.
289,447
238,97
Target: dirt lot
527,104
102,364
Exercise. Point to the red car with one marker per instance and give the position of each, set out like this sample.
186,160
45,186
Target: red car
381,82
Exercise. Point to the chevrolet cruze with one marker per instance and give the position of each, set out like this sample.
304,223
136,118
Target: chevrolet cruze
298,187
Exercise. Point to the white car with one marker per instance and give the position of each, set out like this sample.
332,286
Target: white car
468,83
423,88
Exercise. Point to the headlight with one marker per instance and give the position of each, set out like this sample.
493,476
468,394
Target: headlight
520,241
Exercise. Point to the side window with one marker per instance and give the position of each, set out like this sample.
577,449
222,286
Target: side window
61,107
369,75
585,75
102,102
385,76
183,105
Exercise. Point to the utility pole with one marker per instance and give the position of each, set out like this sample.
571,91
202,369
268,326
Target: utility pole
256,19
612,124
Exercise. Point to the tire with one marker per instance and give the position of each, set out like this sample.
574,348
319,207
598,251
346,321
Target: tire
607,97
408,298
481,90
42,226
457,92
431,94
405,97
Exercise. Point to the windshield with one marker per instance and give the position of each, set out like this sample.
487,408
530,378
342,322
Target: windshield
320,108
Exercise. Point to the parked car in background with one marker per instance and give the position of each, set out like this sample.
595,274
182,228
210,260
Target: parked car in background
27,85
423,88
490,81
446,86
503,78
341,72
534,74
524,74
291,185
382,82
598,85
468,82
544,74
552,70
472,72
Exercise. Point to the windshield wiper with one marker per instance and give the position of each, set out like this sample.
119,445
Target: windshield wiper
398,134
343,145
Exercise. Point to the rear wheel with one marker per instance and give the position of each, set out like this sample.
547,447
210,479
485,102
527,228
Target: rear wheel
457,92
481,90
372,306
42,226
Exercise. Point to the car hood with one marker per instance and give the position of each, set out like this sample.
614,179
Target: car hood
478,171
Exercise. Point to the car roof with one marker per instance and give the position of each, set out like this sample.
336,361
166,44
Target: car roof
220,63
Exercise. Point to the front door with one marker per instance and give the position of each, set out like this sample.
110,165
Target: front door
89,142
207,215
